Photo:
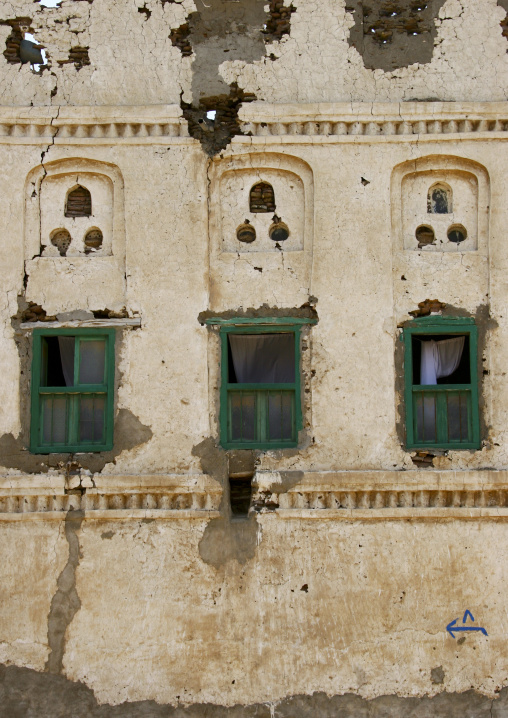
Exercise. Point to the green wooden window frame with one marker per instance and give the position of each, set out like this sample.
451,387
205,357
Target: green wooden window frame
441,394
73,395
262,393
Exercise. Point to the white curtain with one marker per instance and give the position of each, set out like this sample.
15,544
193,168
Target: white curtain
440,358
263,358
66,346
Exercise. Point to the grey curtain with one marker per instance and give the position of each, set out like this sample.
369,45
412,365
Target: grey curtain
66,345
263,358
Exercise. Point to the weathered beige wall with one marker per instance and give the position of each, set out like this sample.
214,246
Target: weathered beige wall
125,571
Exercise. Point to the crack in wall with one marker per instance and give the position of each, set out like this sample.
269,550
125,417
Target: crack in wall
66,602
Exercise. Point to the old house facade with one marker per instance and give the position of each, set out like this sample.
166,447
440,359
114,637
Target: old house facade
254,342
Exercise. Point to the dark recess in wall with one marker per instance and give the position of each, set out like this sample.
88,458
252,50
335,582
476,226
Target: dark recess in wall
78,55
393,34
215,134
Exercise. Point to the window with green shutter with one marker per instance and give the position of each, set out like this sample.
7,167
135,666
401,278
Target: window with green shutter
441,383
72,390
260,396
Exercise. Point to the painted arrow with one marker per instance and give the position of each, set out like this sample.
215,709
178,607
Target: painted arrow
452,628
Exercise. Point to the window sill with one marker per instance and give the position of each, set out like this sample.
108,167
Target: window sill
83,324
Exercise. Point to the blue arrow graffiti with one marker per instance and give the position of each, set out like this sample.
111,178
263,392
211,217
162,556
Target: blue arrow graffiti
452,628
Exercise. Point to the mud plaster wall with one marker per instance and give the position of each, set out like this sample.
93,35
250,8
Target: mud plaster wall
168,299
167,382
323,615
300,606
458,48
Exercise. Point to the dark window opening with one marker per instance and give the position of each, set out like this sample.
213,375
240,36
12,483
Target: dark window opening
79,203
442,387
262,198
439,201
57,353
240,494
261,358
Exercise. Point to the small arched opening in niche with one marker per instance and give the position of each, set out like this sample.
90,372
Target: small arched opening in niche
440,199
61,239
93,240
78,203
262,197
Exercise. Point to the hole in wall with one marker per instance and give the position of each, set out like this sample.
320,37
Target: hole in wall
279,231
246,232
93,240
240,494
79,203
425,235
61,239
457,233
21,46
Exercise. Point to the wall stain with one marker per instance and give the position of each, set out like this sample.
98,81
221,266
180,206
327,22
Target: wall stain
26,693
129,432
393,33
217,31
224,538
66,602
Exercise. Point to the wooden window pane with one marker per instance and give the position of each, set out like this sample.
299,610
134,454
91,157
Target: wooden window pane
91,361
280,416
54,413
243,416
91,419
425,417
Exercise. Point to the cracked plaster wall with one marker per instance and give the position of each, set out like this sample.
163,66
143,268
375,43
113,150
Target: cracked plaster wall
314,63
156,622
351,613
168,368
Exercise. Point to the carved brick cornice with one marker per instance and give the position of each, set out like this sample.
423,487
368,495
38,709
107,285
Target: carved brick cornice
51,496
385,495
261,122
339,122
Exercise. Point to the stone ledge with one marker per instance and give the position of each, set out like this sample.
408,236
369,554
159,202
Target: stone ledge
430,514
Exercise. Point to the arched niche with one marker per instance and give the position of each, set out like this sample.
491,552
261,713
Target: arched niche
463,189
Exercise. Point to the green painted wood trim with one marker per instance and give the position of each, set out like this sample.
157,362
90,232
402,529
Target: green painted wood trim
265,321
441,325
225,386
74,393
425,322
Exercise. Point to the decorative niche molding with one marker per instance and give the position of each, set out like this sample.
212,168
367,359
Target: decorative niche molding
75,245
440,203
234,180
275,245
